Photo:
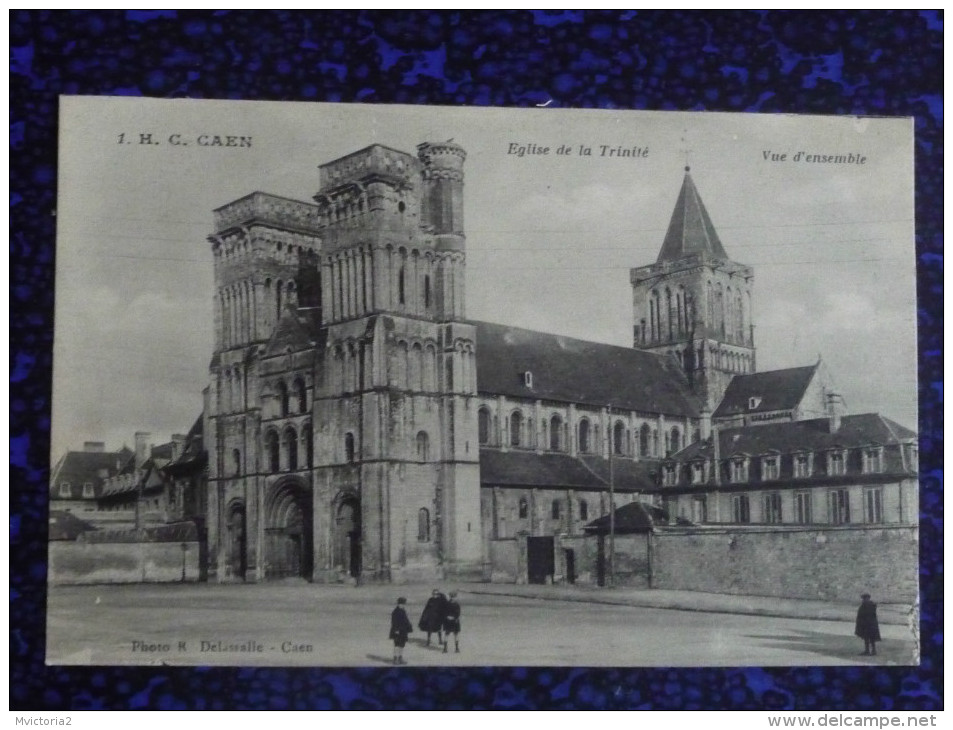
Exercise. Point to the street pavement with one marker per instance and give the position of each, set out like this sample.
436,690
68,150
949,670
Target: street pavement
301,624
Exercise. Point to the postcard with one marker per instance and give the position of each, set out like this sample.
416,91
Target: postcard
360,385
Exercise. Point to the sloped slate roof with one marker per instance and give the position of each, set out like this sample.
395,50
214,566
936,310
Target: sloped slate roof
530,469
80,467
634,518
690,230
627,475
864,429
779,390
577,371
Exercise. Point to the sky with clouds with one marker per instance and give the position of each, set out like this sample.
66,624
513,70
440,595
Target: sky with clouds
550,238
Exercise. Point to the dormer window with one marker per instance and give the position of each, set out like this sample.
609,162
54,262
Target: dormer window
836,463
670,475
739,469
802,465
65,491
753,402
770,469
528,379
88,490
913,457
873,460
698,472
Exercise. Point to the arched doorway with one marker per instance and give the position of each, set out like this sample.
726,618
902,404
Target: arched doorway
347,536
289,543
237,544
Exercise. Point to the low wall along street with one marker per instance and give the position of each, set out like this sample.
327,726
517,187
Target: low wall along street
157,554
831,563
76,562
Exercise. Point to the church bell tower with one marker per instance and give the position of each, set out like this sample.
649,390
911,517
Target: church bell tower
694,302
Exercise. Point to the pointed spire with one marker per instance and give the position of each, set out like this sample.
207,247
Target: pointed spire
690,230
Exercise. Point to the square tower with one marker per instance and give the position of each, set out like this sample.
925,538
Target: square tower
694,303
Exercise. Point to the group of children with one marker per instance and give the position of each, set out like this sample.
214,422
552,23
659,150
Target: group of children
440,616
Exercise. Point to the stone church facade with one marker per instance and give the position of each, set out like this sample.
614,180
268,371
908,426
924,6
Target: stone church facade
342,403
360,427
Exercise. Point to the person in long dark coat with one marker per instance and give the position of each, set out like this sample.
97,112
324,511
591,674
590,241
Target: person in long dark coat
451,623
867,627
431,620
400,627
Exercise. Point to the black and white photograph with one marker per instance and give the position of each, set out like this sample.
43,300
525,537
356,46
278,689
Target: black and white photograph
372,385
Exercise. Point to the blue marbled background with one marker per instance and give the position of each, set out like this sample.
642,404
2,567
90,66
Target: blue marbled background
811,62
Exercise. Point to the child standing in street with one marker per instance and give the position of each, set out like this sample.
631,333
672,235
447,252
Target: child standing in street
400,627
451,623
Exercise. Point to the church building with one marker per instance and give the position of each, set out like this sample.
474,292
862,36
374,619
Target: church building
360,427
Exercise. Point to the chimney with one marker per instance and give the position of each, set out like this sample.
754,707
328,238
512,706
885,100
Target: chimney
94,447
716,451
835,410
178,445
142,447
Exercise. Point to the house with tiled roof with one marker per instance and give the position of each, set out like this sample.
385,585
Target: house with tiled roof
77,479
837,470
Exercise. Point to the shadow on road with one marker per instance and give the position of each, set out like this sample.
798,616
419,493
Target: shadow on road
378,659
434,645
837,646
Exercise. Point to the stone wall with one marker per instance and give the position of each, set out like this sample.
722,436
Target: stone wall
507,562
631,560
822,563
78,563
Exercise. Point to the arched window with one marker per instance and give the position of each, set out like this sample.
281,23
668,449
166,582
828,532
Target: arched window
618,438
524,508
271,448
400,286
556,509
301,395
423,446
307,437
289,443
282,398
516,428
583,509
644,437
484,425
676,440
584,445
423,525
427,291
278,292
237,461
668,312
349,447
555,433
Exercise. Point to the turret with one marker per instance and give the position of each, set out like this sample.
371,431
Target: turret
442,194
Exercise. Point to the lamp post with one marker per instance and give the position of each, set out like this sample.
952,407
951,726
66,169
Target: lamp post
611,503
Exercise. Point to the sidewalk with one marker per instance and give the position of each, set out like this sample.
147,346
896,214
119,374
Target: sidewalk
887,613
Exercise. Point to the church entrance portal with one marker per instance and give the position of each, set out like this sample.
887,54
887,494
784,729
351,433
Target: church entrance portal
347,542
289,544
